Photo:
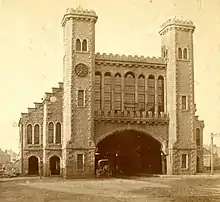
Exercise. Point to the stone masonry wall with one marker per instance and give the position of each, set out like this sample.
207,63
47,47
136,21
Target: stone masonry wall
157,131
36,116
79,121
53,102
80,132
180,82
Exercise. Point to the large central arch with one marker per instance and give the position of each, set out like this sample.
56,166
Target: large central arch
131,152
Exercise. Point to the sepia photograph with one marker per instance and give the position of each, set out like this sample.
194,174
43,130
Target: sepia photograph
113,101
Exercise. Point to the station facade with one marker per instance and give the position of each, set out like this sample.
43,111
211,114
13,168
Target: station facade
109,106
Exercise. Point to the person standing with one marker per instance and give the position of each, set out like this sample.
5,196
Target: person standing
41,169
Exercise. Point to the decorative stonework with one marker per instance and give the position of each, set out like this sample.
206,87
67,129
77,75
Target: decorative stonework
81,70
79,14
174,23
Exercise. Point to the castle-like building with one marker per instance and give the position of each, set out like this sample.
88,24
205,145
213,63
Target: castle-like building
139,112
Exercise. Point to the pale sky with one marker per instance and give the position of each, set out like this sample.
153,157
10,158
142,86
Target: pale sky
31,49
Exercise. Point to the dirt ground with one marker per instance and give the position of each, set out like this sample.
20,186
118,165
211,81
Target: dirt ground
155,189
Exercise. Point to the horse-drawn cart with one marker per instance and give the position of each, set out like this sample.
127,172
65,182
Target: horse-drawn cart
103,169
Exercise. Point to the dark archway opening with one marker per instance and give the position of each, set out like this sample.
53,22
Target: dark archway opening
33,165
55,165
131,153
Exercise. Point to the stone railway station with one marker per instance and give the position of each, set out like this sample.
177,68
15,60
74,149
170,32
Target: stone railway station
138,112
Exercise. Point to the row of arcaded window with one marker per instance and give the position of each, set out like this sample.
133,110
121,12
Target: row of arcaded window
51,138
33,133
182,53
113,92
81,46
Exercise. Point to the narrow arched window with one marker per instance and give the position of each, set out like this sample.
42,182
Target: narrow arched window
164,54
107,91
141,92
50,132
198,141
84,45
180,53
151,93
78,45
97,90
163,51
36,134
29,134
185,54
160,92
129,95
117,92
58,133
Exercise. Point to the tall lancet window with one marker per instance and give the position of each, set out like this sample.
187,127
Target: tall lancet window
78,45
58,133
84,45
198,141
129,96
51,132
98,90
29,134
36,134
185,54
180,53
151,93
117,92
107,91
160,93
141,92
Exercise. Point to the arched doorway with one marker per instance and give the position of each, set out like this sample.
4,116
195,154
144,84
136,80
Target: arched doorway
55,165
131,153
33,165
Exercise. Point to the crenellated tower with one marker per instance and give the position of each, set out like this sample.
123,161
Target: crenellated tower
177,49
78,118
116,107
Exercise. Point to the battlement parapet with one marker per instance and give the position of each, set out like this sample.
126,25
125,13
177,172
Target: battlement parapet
129,58
80,10
79,13
175,22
